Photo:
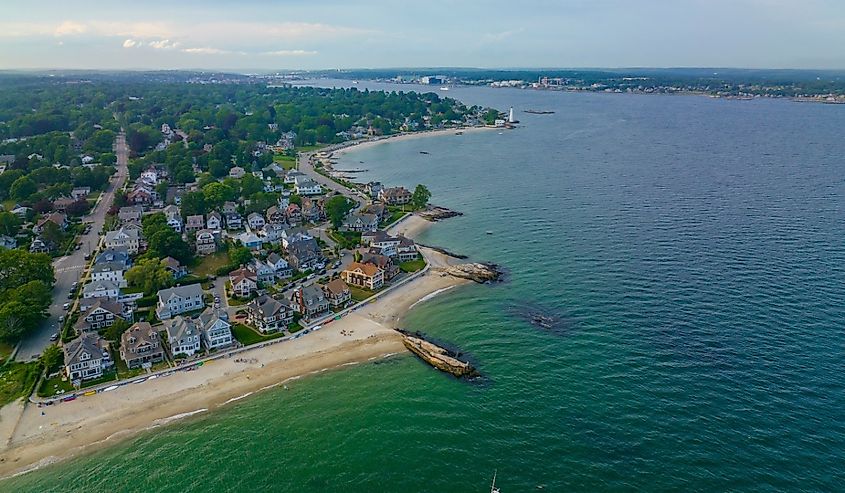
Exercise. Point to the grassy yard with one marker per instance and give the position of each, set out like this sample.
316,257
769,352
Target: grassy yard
248,336
5,350
53,386
123,372
310,148
208,265
286,162
346,239
395,215
360,294
18,380
412,265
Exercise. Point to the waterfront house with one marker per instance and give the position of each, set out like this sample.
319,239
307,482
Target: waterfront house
205,242
215,327
337,292
183,335
292,175
280,266
363,276
244,282
181,299
86,357
360,222
406,250
255,221
310,301
195,222
307,187
174,267
101,314
109,271
395,196
381,242
268,315
383,262
379,210
141,346
123,237
373,188
214,221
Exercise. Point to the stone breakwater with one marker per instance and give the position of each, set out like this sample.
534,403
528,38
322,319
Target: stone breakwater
478,272
438,357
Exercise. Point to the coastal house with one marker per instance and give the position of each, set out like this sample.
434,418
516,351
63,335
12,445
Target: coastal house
304,187
215,327
293,213
360,222
109,271
311,210
101,314
383,262
395,196
280,266
194,222
175,268
183,335
310,301
237,172
205,242
268,314
124,238
292,175
255,221
406,250
141,346
244,282
86,357
379,210
373,188
181,299
214,221
381,242
363,276
338,293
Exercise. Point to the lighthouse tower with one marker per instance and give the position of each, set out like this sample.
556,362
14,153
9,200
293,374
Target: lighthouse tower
510,116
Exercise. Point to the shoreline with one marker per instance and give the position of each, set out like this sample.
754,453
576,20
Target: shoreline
79,427
355,145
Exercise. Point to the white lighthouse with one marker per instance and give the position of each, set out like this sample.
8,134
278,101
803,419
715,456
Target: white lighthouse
510,116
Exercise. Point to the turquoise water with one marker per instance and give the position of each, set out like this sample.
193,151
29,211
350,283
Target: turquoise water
692,251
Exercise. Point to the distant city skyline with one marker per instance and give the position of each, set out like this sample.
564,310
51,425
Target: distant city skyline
297,34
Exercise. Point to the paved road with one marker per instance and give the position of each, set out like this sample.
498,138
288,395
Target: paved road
69,268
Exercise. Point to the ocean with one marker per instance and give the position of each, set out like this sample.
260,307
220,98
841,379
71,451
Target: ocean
689,254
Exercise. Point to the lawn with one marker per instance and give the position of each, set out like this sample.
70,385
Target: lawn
412,265
5,350
247,336
123,372
360,294
209,264
17,380
310,148
394,216
53,386
346,239
286,162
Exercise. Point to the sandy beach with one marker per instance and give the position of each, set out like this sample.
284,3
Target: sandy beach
71,428
408,136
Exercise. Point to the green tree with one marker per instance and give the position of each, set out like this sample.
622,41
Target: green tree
151,274
168,242
52,358
216,194
336,209
9,223
250,184
115,330
193,203
18,267
420,197
22,188
52,234
239,255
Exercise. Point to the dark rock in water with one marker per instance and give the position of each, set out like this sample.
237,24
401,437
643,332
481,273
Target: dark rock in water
444,251
445,360
478,272
541,317
435,213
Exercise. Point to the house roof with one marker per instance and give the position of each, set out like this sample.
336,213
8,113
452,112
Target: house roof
267,306
368,270
172,263
274,258
336,287
132,234
210,316
101,285
115,254
380,261
139,334
180,328
86,343
237,276
114,266
312,294
189,291
197,220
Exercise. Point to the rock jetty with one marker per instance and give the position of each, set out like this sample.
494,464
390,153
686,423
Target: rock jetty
435,213
438,357
478,272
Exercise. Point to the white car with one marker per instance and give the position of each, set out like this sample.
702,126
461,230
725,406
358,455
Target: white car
66,306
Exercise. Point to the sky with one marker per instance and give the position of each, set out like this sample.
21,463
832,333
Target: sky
247,35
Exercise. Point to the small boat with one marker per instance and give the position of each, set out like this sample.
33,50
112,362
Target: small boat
444,88
539,112
423,152
459,132
489,232
493,488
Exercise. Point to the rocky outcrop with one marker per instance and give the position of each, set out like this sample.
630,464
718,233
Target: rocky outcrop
478,272
438,357
435,213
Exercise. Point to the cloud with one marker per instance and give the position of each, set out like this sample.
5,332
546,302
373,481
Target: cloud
290,53
131,43
69,28
211,51
163,44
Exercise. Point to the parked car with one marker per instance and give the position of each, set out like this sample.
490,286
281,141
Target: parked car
70,295
66,306
54,337
61,318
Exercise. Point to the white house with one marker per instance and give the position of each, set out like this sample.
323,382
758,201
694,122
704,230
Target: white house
181,299
255,221
264,272
215,327
307,187
205,242
237,172
280,266
214,221
183,335
127,238
243,281
109,271
100,289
